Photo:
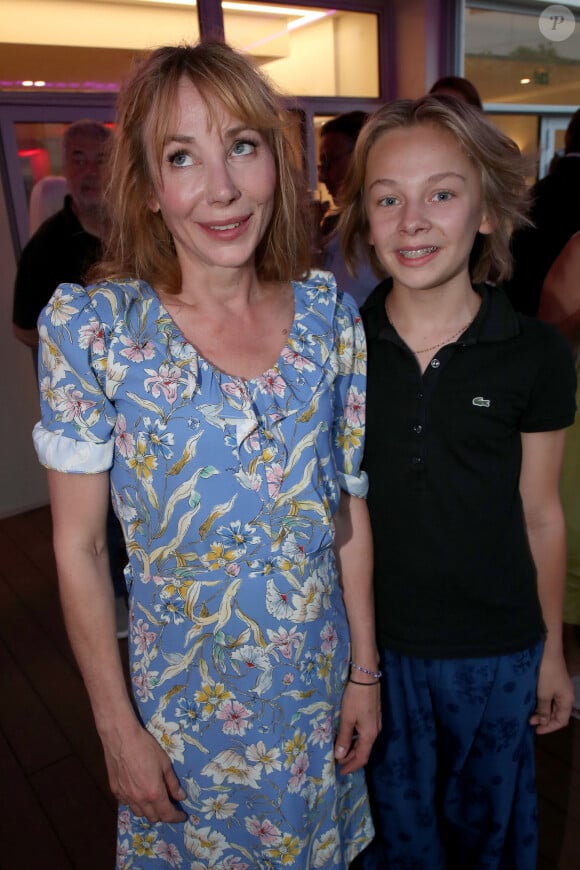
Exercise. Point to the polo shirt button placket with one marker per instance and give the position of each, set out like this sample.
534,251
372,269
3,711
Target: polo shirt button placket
417,428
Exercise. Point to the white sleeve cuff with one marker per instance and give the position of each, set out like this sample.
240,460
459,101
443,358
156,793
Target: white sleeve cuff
60,453
357,485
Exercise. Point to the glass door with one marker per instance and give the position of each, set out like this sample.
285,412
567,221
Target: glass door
552,133
30,136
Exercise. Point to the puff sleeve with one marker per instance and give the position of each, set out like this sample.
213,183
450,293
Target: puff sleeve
75,432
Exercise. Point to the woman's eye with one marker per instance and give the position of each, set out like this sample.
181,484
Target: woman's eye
180,158
443,196
243,147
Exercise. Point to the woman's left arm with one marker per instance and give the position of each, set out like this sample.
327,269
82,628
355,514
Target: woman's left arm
360,719
539,487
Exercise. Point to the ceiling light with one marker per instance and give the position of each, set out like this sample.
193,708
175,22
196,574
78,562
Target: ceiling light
259,8
263,9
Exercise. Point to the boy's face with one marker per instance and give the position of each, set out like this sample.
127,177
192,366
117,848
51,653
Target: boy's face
424,204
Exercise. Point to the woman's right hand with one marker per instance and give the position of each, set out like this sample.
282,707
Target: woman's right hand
141,775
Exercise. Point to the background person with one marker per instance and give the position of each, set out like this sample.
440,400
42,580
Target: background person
560,297
221,394
62,249
457,86
555,217
68,243
560,305
337,140
466,415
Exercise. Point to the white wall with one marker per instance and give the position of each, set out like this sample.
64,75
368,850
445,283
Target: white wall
22,479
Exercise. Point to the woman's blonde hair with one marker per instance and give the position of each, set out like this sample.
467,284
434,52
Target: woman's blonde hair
501,166
139,244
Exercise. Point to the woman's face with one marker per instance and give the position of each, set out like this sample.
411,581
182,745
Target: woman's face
216,185
424,205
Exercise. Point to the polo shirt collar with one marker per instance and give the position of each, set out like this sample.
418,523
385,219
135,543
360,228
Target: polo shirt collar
496,320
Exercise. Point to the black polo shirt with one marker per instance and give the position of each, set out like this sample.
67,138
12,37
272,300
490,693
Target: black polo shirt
59,251
454,576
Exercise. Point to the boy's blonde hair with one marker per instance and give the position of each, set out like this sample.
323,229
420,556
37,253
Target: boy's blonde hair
501,166
139,243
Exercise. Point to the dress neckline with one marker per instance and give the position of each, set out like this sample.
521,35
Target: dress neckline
216,369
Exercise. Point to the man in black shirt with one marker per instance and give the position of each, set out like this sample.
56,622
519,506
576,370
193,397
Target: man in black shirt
68,243
62,250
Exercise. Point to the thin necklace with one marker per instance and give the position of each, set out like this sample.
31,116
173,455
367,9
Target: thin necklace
433,346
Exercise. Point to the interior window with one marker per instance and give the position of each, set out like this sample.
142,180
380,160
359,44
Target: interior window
303,49
512,57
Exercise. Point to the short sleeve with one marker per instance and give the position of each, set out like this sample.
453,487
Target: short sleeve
552,402
75,433
350,397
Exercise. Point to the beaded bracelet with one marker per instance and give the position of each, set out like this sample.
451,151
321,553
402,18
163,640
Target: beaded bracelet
359,683
376,674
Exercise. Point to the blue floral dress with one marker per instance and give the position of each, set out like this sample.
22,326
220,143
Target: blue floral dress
226,489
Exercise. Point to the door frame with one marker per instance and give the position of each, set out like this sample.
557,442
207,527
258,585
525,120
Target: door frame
549,125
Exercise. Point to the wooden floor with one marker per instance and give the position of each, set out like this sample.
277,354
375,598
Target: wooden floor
56,811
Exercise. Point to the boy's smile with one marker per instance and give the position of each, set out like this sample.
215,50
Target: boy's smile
424,204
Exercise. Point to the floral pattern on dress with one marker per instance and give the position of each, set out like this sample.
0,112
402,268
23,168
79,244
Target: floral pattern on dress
226,489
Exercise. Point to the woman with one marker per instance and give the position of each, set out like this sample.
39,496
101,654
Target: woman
467,409
222,399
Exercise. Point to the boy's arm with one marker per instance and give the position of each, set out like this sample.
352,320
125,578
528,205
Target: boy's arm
539,487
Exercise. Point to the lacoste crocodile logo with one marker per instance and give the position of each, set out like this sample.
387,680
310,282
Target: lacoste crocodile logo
480,402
